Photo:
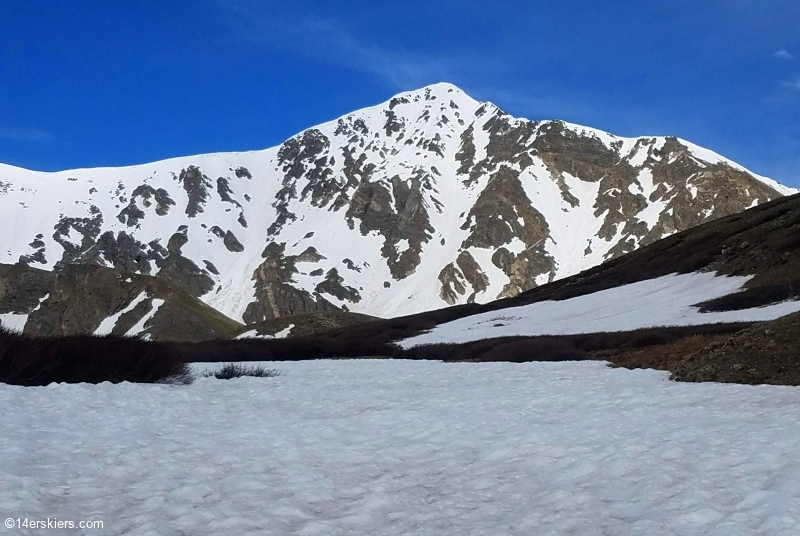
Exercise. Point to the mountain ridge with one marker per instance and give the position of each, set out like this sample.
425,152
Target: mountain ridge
426,200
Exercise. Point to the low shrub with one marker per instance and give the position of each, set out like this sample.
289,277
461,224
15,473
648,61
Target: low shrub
237,370
752,297
511,349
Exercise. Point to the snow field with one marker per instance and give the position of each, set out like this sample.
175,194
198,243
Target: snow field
663,301
398,447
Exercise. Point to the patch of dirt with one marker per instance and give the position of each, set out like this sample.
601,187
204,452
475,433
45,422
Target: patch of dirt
668,356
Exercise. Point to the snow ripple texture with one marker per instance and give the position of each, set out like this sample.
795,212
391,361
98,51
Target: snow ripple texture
392,447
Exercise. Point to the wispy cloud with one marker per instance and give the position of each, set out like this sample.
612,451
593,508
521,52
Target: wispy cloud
28,135
783,54
793,84
332,41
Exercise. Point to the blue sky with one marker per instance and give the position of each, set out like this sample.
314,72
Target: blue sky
97,83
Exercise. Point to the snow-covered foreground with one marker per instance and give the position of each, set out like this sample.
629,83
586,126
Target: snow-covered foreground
664,301
398,447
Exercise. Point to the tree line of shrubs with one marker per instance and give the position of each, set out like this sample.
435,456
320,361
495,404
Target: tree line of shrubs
41,361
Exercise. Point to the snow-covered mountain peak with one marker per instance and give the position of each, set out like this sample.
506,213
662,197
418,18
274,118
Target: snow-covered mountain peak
428,199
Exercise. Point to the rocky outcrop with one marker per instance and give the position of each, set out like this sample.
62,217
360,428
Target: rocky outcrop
196,186
398,213
232,243
22,288
275,295
77,235
333,285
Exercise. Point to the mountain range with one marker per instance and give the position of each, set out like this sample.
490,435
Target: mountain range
427,200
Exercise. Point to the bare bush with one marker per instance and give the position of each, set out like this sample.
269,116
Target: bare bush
237,370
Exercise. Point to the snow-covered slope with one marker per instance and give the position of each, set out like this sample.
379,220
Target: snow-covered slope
429,199
664,301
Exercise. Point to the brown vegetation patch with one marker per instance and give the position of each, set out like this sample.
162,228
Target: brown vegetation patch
765,353
28,361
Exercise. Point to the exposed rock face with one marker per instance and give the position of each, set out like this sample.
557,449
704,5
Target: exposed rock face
275,295
232,243
196,186
398,213
22,288
333,285
76,235
427,200
37,255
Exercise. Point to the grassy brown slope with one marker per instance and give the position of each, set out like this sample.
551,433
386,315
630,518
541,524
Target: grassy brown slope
765,353
184,317
82,296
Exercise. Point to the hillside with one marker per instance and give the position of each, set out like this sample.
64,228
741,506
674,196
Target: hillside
766,353
299,325
745,267
693,303
652,308
87,299
427,200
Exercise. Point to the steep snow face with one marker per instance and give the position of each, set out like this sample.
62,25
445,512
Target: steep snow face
429,199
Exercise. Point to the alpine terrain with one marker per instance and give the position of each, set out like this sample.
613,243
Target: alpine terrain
428,200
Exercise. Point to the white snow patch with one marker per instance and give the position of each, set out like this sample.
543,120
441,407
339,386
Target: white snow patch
645,179
251,334
13,321
642,149
652,213
41,301
663,301
516,246
402,246
108,324
140,325
254,334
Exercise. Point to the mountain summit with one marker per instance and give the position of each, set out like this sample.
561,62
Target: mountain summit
427,200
